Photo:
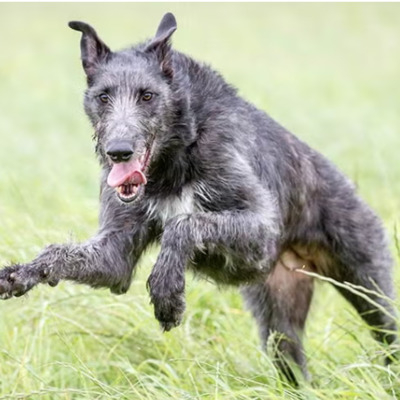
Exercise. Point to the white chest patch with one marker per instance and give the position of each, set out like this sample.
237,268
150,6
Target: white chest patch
171,206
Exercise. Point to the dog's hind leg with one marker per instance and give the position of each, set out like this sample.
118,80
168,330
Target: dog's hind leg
370,291
280,306
372,302
360,256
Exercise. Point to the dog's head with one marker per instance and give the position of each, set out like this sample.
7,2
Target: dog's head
130,102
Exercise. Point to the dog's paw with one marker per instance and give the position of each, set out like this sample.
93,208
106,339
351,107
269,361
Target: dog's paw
16,280
169,310
169,304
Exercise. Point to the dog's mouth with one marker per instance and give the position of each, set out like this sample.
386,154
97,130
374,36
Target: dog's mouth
128,178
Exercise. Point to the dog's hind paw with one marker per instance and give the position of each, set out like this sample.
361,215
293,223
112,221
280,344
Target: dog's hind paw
15,281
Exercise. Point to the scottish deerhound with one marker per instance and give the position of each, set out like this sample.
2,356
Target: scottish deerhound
225,190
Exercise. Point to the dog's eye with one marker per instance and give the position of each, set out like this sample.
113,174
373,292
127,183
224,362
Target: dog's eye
103,97
147,96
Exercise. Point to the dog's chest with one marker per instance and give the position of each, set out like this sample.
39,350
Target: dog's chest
165,208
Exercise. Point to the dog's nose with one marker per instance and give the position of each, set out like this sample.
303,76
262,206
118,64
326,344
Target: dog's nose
119,151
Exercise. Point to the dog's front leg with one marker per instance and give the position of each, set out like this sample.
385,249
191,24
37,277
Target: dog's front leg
251,236
106,260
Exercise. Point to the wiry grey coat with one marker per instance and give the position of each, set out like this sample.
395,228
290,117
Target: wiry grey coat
226,191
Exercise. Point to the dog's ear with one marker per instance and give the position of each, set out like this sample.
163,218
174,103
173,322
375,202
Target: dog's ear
93,49
160,44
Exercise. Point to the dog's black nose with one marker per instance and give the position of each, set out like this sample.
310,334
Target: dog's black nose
119,151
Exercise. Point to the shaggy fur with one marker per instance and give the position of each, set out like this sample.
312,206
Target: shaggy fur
230,195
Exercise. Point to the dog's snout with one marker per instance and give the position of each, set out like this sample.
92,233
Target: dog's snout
119,151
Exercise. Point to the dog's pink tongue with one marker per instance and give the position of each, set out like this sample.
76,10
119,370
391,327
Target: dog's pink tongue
129,172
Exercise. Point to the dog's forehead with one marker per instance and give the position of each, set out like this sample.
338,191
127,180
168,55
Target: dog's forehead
131,70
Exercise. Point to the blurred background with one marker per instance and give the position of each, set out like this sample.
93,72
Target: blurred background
327,72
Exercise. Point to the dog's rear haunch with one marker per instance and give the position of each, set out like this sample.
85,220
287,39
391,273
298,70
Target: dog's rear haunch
227,192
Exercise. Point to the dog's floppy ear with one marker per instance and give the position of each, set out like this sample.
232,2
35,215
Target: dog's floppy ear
160,44
93,49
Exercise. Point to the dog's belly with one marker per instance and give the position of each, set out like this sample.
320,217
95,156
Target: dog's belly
224,268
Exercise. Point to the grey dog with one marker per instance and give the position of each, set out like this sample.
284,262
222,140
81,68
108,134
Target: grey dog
226,191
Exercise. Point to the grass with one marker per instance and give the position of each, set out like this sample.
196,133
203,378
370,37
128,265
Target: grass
328,72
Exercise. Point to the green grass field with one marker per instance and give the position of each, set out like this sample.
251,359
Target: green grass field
328,72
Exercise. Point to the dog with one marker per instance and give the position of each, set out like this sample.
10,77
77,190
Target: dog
225,190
